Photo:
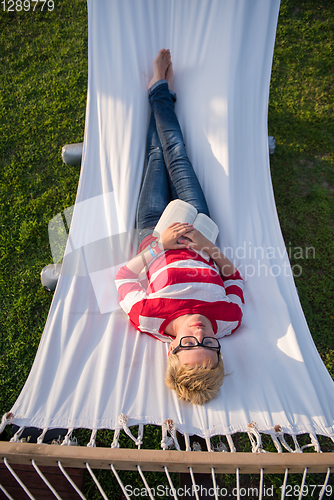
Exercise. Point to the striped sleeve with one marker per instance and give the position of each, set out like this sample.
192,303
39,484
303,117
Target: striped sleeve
129,289
234,287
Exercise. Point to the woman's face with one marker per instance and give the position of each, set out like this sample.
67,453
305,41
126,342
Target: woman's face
198,326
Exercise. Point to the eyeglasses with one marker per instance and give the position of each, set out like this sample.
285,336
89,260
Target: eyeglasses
191,342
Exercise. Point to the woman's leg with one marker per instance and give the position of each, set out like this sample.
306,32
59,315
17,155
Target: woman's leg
176,159
155,192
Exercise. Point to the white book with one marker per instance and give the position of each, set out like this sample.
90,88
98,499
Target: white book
181,211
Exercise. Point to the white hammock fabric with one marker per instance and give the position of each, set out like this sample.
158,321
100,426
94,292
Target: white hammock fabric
91,364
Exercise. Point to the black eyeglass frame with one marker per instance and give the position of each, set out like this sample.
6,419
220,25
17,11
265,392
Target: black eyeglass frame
200,344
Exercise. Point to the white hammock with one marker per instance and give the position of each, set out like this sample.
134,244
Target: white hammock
91,366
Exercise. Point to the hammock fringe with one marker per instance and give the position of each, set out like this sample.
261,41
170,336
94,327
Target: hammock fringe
7,419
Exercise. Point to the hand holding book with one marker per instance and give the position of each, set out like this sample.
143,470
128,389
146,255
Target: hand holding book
196,240
182,212
171,237
202,244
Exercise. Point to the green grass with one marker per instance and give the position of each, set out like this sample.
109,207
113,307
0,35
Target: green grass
42,107
301,119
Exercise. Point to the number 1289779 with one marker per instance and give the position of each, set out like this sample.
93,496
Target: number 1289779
27,5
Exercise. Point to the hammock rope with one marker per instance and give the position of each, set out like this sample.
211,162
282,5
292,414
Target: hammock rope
195,488
120,482
69,479
23,486
238,491
148,489
41,475
91,443
96,481
40,438
68,441
238,483
285,482
7,419
323,489
5,492
261,484
170,483
302,484
17,435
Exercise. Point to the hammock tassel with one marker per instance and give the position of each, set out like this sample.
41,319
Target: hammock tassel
7,419
115,443
221,447
279,434
277,443
68,441
209,445
92,443
257,442
297,447
187,441
140,435
16,437
314,444
230,443
123,420
40,439
166,442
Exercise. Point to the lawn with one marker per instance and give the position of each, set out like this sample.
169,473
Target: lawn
42,107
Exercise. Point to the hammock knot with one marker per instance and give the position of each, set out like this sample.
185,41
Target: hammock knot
169,424
68,439
221,447
7,418
197,446
257,442
92,443
115,443
123,419
279,439
40,438
167,442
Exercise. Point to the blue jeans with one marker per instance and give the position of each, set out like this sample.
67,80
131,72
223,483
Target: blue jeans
169,173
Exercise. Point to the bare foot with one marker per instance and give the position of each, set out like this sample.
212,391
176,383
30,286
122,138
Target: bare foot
160,64
169,75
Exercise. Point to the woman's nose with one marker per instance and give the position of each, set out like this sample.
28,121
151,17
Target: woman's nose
199,333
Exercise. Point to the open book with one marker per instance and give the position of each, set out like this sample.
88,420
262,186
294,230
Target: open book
181,211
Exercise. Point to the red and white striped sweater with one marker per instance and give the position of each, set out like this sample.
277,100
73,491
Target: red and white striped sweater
181,282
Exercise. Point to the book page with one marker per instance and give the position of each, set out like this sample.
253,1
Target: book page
206,226
176,211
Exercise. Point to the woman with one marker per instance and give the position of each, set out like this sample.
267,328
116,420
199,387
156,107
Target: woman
187,301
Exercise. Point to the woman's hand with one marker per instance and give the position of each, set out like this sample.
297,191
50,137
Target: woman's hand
200,242
170,236
197,240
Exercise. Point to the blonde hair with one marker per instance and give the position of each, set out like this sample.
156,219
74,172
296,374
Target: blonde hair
197,383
